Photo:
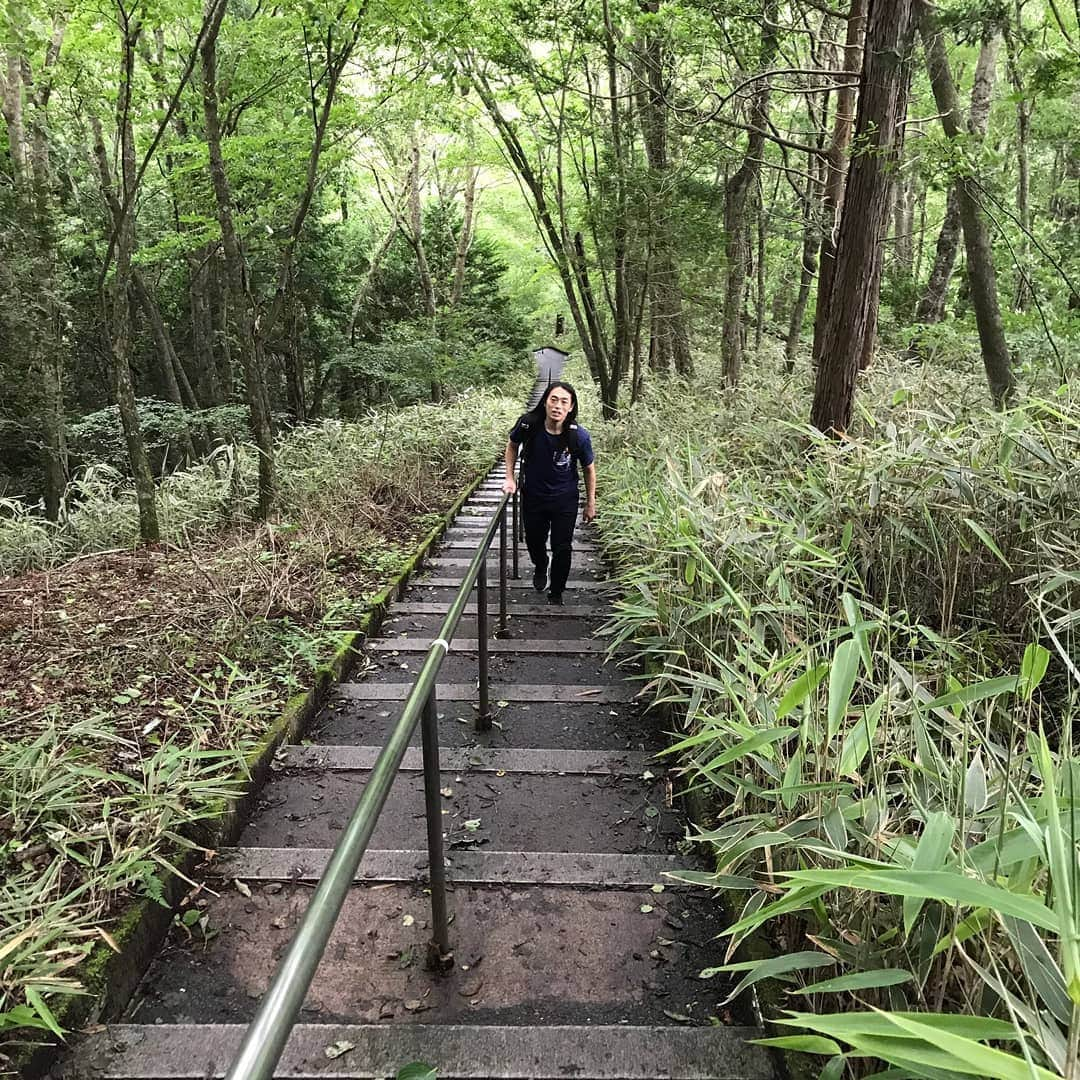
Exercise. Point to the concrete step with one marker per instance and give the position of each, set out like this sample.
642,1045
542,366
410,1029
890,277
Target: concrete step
539,611
584,565
558,726
525,625
462,867
520,583
498,1052
479,759
570,694
562,646
598,813
524,954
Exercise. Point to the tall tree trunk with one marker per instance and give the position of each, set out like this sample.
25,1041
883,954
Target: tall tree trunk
566,252
202,327
423,269
837,165
620,360
32,179
670,339
737,193
1022,299
241,301
931,307
854,300
122,203
980,258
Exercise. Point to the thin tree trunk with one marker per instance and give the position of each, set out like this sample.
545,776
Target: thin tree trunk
567,254
671,341
465,239
1022,299
931,307
737,192
836,166
120,323
854,299
980,259
241,300
620,361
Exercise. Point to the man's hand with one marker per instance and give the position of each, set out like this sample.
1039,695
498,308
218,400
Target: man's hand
590,512
509,487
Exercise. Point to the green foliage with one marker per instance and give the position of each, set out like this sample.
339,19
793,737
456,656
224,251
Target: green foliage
860,643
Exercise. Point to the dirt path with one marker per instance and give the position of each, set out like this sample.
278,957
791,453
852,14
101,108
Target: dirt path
573,955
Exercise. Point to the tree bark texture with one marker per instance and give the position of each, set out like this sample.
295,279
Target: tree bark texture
1024,107
242,303
122,204
982,279
737,193
931,308
878,128
25,100
670,342
837,165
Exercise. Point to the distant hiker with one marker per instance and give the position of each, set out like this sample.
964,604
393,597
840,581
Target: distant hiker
549,440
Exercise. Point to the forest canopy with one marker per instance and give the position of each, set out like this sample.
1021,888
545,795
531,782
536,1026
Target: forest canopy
220,221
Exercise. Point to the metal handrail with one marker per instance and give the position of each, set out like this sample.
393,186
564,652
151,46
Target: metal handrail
268,1033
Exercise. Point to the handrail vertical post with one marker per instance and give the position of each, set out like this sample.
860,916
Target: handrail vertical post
483,718
439,954
502,570
515,531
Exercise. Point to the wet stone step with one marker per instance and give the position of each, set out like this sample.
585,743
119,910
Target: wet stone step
572,609
521,625
524,955
519,595
523,812
369,690
454,567
494,1052
480,867
451,581
567,726
477,760
575,647
461,666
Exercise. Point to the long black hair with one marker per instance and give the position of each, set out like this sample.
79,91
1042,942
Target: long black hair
537,416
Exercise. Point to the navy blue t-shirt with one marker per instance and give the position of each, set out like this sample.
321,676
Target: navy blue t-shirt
549,469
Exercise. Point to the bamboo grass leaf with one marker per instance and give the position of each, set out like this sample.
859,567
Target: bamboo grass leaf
988,541
948,887
930,854
801,689
776,967
870,979
842,673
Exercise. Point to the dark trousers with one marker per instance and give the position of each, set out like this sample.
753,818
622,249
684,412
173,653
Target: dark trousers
542,517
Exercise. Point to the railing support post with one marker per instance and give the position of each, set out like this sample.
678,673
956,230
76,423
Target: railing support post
440,958
483,717
516,573
502,571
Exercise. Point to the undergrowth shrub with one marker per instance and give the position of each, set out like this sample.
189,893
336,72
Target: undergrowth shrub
869,646
333,469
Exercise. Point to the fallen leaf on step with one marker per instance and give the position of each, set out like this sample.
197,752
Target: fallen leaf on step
336,1049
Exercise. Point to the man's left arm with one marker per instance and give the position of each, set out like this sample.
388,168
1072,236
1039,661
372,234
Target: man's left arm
590,492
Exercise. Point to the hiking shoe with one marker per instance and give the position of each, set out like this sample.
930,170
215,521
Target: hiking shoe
555,598
539,579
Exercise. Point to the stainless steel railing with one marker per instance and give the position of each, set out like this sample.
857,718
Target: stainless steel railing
268,1033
